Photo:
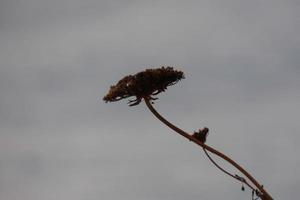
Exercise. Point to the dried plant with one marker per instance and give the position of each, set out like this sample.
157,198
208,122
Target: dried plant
146,84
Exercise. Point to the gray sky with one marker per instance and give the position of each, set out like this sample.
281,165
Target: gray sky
59,140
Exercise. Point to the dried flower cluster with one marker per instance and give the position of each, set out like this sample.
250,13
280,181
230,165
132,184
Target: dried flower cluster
143,84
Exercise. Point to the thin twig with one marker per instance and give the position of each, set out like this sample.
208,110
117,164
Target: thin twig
241,179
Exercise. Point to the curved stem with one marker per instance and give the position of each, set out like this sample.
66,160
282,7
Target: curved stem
265,195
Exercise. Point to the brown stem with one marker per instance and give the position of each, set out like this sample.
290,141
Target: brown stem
265,195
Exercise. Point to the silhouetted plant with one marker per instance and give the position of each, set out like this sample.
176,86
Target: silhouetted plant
146,84
143,84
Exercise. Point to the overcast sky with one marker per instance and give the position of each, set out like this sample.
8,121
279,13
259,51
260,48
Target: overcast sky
60,141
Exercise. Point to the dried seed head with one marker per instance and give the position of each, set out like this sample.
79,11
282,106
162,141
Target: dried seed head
143,84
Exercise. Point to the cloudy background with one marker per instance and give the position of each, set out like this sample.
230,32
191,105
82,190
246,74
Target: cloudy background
58,58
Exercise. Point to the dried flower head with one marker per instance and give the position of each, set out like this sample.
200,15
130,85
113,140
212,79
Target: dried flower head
143,85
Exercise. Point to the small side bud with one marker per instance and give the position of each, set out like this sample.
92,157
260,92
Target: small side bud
201,134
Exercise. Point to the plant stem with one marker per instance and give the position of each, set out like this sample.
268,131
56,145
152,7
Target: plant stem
264,196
